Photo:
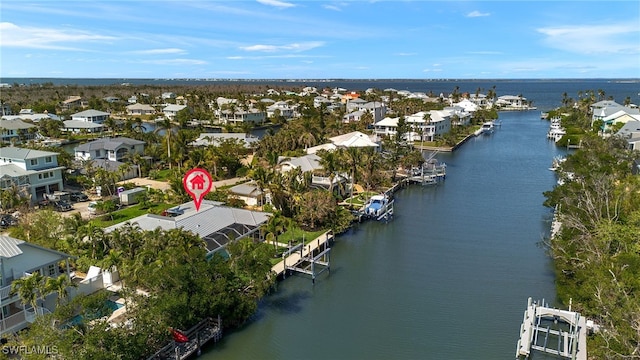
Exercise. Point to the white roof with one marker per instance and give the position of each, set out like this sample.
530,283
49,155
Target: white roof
13,152
353,139
90,112
79,124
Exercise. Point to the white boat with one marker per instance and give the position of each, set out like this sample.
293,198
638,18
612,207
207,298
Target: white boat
379,207
557,161
487,128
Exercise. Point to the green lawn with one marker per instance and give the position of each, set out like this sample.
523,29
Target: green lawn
129,213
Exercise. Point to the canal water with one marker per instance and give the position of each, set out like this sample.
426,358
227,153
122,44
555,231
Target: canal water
448,278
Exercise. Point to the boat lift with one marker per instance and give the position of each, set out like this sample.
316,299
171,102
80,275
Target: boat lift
309,263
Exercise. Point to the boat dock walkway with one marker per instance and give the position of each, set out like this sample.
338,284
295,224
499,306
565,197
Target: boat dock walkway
552,331
200,334
310,258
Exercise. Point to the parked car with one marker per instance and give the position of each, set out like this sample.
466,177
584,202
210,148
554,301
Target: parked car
7,220
78,196
62,206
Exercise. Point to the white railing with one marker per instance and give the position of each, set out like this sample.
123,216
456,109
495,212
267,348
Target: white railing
5,292
31,314
14,322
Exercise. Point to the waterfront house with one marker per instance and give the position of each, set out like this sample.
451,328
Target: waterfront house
34,172
14,130
216,224
215,139
113,149
19,258
352,139
438,124
170,111
512,102
239,117
91,116
311,163
621,116
320,100
140,109
79,126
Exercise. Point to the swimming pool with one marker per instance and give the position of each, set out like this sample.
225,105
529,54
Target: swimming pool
110,307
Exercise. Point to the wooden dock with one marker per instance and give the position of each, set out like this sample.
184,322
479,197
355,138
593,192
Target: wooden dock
206,330
551,331
309,258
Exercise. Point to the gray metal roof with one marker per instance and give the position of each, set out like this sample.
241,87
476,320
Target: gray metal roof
108,143
212,219
13,152
79,124
15,124
9,246
90,113
12,170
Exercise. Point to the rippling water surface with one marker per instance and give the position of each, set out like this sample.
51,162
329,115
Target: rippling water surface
448,278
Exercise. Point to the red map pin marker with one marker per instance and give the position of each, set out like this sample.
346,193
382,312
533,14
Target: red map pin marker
197,182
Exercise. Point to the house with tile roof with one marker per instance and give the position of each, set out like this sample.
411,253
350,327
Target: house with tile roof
34,172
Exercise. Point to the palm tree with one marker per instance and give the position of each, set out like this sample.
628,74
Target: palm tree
60,285
273,228
167,126
329,162
28,289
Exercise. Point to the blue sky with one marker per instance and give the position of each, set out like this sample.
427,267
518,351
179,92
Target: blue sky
274,39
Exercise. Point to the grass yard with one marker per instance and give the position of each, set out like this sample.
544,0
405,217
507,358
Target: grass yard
129,213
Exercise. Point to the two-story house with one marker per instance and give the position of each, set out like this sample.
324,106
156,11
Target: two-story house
14,130
88,120
18,259
423,126
36,172
239,117
114,149
170,111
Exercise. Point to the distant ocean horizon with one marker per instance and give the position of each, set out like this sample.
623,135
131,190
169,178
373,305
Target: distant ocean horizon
545,94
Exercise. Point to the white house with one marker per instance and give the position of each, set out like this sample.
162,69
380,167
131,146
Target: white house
92,116
140,109
17,259
170,111
352,139
215,139
34,172
425,128
114,149
88,120
284,108
237,117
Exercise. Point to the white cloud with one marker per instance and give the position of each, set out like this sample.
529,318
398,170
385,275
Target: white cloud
619,38
477,13
175,62
405,54
332,7
12,35
290,47
276,3
160,51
